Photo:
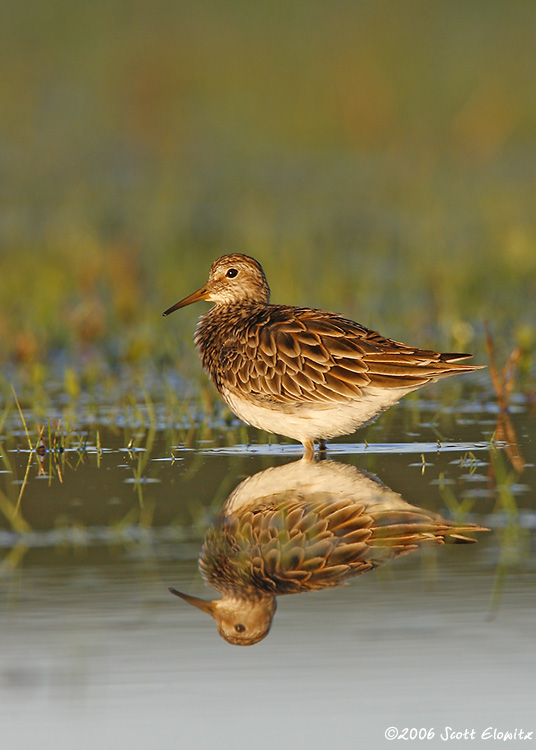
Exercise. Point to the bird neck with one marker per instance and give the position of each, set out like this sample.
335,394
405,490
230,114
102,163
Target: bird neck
225,320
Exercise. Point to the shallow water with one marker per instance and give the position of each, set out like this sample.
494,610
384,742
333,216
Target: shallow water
97,652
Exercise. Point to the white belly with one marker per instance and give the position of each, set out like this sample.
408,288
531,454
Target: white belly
309,421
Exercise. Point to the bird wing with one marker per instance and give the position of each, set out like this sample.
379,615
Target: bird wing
307,542
306,355
291,546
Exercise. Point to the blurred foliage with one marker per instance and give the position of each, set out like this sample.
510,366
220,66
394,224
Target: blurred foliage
377,157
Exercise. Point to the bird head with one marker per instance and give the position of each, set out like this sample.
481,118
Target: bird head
232,278
241,621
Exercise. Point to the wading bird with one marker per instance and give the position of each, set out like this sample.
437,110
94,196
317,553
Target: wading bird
295,371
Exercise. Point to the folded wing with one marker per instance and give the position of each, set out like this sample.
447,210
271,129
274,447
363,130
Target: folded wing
304,355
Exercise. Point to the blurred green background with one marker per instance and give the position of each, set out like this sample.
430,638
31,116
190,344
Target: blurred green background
377,157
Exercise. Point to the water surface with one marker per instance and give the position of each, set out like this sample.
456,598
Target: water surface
96,651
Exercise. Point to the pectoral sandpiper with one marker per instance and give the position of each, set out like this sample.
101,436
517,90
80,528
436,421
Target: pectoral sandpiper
295,371
302,527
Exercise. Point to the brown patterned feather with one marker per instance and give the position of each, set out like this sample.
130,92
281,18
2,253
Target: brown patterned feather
305,543
278,342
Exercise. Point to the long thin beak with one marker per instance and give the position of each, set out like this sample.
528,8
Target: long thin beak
208,607
202,293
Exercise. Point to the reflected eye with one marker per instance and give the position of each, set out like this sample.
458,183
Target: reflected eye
239,628
231,273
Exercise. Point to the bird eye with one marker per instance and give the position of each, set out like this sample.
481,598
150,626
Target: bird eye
231,273
239,628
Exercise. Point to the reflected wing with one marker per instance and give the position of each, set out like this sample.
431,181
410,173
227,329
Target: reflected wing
303,544
299,354
291,547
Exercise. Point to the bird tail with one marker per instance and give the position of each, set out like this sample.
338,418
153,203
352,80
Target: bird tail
454,357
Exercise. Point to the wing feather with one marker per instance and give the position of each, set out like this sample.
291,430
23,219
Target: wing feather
296,355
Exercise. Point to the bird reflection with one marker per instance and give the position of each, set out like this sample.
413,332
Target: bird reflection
303,527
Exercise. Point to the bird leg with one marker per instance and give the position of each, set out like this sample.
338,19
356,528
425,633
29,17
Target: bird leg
309,449
309,446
